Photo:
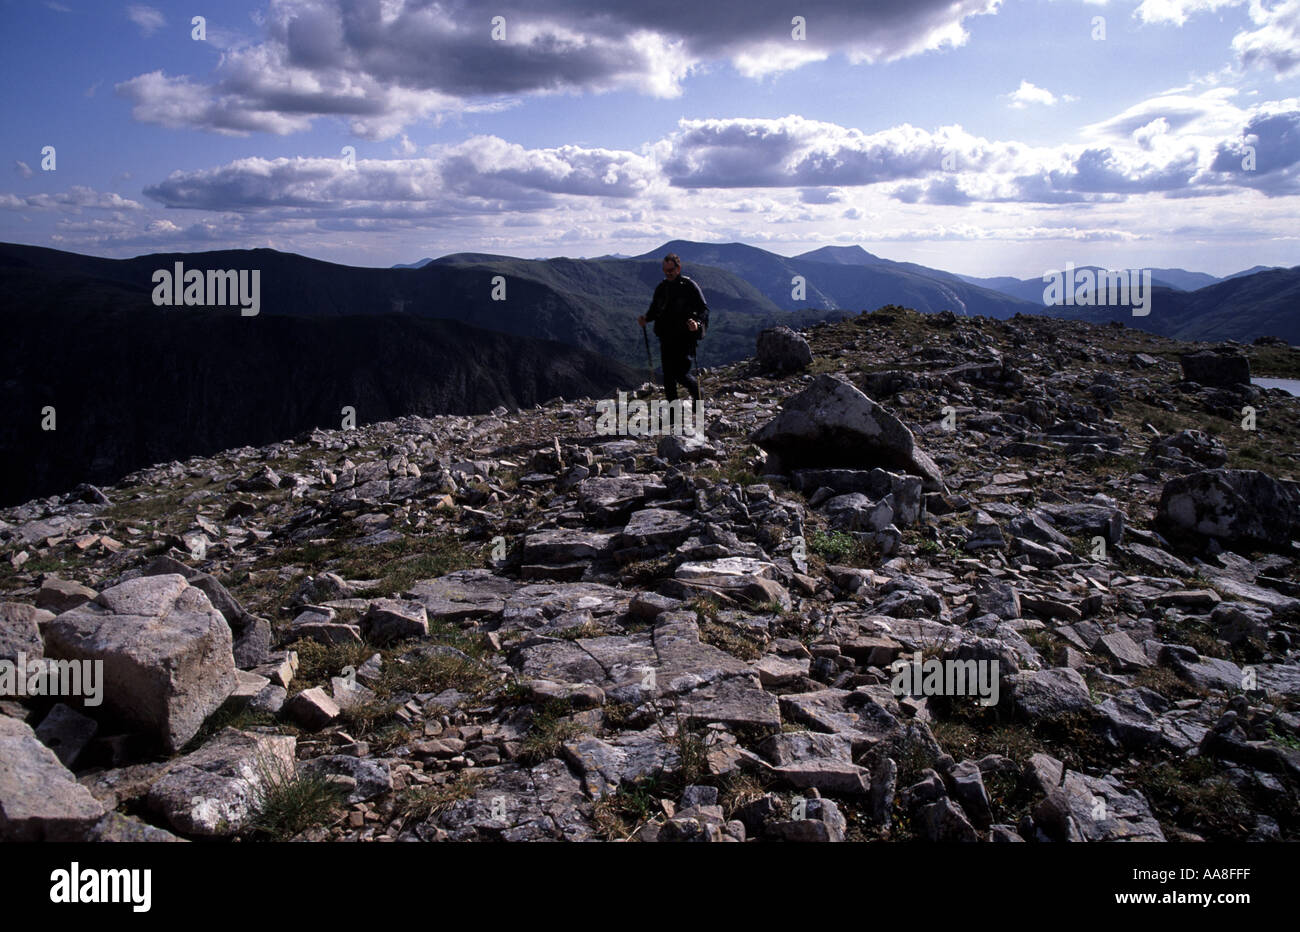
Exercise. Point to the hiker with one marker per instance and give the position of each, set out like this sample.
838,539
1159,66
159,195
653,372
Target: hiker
680,317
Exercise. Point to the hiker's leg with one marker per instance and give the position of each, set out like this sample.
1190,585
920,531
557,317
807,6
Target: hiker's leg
670,359
687,379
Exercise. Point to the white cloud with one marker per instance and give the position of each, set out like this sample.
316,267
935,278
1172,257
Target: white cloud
72,200
483,175
1277,40
1177,12
1029,93
147,18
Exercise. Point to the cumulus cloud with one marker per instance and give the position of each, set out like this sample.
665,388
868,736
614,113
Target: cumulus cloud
484,174
1029,93
1276,41
383,65
1173,145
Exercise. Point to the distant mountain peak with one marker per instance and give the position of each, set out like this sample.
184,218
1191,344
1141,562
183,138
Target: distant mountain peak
843,255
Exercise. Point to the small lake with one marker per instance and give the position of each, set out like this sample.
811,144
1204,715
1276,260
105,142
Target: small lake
1290,385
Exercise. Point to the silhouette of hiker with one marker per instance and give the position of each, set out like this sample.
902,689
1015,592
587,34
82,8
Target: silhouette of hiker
679,315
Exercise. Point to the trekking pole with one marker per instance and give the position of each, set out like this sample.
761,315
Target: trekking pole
699,376
648,361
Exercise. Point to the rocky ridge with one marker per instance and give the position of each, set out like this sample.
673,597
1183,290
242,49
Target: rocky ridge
507,627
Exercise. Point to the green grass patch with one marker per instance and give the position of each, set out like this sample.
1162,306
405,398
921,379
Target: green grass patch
550,729
422,802
290,803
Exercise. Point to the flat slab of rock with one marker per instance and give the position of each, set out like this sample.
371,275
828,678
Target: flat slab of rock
863,716
732,580
564,545
1249,592
604,765
1212,673
542,803
732,702
218,789
1159,559
606,500
1089,520
59,595
463,595
167,653
655,527
832,424
40,799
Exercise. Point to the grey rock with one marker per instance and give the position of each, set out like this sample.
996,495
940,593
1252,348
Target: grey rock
60,595
363,778
40,799
312,708
20,631
167,660
943,820
543,803
1086,808
390,620
66,732
1234,506
219,789
605,765
1219,368
782,350
833,424
1052,693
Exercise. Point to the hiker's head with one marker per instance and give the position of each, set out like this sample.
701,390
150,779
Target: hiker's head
672,266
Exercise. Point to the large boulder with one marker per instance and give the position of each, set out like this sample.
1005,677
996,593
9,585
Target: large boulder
166,652
40,799
1235,506
1220,368
252,634
780,349
832,424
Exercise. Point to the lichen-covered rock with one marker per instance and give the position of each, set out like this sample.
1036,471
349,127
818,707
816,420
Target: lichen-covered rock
220,789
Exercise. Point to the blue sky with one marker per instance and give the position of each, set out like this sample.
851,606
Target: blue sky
979,136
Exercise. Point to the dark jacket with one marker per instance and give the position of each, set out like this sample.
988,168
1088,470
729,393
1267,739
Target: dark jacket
675,302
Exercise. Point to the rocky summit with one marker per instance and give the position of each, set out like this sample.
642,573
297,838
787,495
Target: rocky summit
921,577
